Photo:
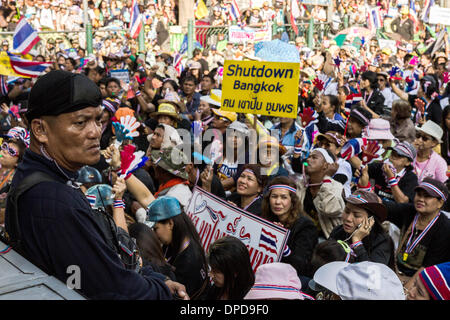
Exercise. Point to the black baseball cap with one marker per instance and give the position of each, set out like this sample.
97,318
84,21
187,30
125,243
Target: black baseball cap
59,92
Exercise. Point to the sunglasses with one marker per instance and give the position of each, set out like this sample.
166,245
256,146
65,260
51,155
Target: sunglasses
12,152
380,80
423,137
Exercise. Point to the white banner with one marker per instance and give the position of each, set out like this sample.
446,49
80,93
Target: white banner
439,15
215,218
237,34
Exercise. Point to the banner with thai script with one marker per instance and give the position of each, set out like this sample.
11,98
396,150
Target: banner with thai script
261,87
237,34
215,218
439,15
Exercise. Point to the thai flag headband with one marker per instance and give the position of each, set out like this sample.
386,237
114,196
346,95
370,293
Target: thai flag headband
282,186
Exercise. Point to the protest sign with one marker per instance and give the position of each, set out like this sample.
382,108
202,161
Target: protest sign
121,74
439,15
391,44
261,87
237,34
215,218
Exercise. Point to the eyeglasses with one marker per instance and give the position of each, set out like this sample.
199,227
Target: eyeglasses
12,152
423,137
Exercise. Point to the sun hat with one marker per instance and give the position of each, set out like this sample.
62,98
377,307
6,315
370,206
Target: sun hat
405,149
229,115
360,281
436,280
239,127
361,114
434,188
214,97
173,98
172,160
162,208
332,136
368,201
166,109
88,174
60,92
310,73
433,129
276,280
379,129
317,61
100,196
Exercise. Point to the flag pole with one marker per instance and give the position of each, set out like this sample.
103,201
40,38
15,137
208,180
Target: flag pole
88,27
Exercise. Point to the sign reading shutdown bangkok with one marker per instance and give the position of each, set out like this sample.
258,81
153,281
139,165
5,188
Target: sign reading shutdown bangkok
261,87
215,218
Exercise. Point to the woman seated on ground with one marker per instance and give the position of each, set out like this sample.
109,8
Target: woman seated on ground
281,205
361,228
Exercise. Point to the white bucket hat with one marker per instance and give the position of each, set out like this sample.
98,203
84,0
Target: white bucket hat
360,281
433,129
214,97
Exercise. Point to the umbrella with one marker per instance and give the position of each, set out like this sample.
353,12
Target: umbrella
277,51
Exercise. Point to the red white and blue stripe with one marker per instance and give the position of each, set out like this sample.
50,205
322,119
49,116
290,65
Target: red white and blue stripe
92,200
27,68
426,10
235,14
374,20
25,37
427,185
268,241
3,86
436,280
411,245
135,20
283,186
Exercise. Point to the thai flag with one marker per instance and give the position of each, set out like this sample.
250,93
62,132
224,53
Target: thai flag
27,68
426,10
268,241
136,21
25,37
235,14
184,45
295,13
92,199
413,15
177,63
374,20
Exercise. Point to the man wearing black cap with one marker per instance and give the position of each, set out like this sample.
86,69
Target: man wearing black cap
54,226
425,229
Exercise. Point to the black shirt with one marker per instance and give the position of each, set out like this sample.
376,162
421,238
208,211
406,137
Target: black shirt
255,206
434,110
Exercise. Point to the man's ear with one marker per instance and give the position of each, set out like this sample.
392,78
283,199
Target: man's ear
39,129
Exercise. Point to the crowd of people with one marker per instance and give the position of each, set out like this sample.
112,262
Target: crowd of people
98,171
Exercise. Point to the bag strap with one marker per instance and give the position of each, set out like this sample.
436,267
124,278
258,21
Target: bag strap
14,236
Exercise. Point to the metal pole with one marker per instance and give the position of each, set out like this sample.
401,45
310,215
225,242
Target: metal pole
88,27
310,33
190,37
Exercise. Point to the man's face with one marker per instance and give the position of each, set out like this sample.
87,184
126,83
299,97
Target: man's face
188,87
206,84
73,139
112,89
157,138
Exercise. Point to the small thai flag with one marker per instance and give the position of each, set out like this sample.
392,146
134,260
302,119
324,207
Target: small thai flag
92,199
136,21
374,18
235,14
27,68
24,38
268,241
426,10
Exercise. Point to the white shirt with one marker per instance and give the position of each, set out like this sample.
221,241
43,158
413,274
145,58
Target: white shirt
182,193
346,169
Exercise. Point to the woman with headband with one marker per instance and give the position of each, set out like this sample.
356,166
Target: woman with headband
249,188
281,205
361,229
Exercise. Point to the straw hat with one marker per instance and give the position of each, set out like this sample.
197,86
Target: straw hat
214,97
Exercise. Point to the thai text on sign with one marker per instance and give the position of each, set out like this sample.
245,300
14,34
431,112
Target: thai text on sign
214,218
266,88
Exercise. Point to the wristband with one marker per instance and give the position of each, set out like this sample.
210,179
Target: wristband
356,244
365,188
119,204
138,93
392,182
297,150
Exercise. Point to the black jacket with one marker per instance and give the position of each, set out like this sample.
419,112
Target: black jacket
434,248
59,230
378,246
375,102
302,240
